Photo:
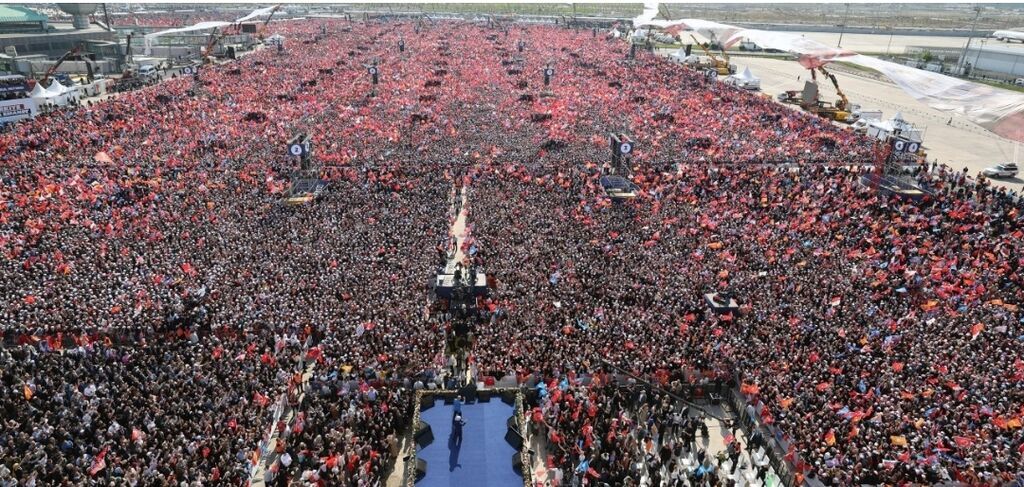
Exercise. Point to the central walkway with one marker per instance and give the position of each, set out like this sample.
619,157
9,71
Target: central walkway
458,211
458,229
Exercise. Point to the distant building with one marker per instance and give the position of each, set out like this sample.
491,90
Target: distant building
984,59
997,60
24,31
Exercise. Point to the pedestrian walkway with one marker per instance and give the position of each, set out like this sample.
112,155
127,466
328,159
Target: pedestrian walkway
288,417
458,229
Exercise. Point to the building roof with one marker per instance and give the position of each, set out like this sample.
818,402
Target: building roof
15,13
988,48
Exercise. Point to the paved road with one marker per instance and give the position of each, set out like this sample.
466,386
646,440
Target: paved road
878,43
962,144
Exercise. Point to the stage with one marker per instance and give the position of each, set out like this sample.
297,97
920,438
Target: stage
483,457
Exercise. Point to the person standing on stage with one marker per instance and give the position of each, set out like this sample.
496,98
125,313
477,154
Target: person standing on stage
457,411
457,424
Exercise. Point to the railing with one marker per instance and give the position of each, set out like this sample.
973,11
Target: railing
409,472
776,450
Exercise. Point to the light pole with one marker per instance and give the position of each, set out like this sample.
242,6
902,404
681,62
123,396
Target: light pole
890,41
974,67
963,56
843,31
892,29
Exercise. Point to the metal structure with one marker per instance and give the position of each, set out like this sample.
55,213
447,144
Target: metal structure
53,69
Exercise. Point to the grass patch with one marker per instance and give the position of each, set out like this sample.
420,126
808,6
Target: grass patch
996,84
858,68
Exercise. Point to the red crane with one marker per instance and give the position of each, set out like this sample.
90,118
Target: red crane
53,69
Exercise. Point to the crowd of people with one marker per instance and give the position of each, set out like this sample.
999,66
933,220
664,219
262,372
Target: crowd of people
158,294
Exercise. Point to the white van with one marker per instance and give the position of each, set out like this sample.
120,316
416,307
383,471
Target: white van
147,71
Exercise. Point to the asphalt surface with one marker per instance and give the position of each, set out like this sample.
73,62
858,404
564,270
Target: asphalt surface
958,145
875,43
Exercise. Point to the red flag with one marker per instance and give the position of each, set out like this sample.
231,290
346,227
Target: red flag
897,366
790,455
99,463
27,391
314,353
331,461
830,438
260,399
136,434
963,441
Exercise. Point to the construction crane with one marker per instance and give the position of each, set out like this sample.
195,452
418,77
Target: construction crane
129,58
215,37
259,32
810,101
53,69
722,67
842,103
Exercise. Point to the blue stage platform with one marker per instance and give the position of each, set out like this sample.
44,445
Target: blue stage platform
483,459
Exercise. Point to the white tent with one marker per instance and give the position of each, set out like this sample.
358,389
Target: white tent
747,75
38,92
57,93
745,80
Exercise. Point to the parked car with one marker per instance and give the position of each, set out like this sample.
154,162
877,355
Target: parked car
1006,170
1019,81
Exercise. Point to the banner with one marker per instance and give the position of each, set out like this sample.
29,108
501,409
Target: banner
18,109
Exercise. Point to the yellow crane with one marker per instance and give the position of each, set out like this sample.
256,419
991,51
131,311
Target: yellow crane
842,103
722,66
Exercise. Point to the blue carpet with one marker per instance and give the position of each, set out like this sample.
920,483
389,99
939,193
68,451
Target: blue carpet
483,459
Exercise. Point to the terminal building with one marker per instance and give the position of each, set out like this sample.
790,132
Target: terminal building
989,60
31,42
983,58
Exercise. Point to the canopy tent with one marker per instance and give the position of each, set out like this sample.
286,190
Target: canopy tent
56,93
997,110
55,88
38,92
745,80
746,75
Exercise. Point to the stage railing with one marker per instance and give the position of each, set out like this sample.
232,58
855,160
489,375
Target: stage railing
409,472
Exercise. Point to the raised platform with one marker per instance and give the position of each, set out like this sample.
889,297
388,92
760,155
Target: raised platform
483,457
720,304
305,190
892,186
618,188
444,285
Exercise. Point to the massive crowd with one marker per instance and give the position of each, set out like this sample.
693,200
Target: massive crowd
157,293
